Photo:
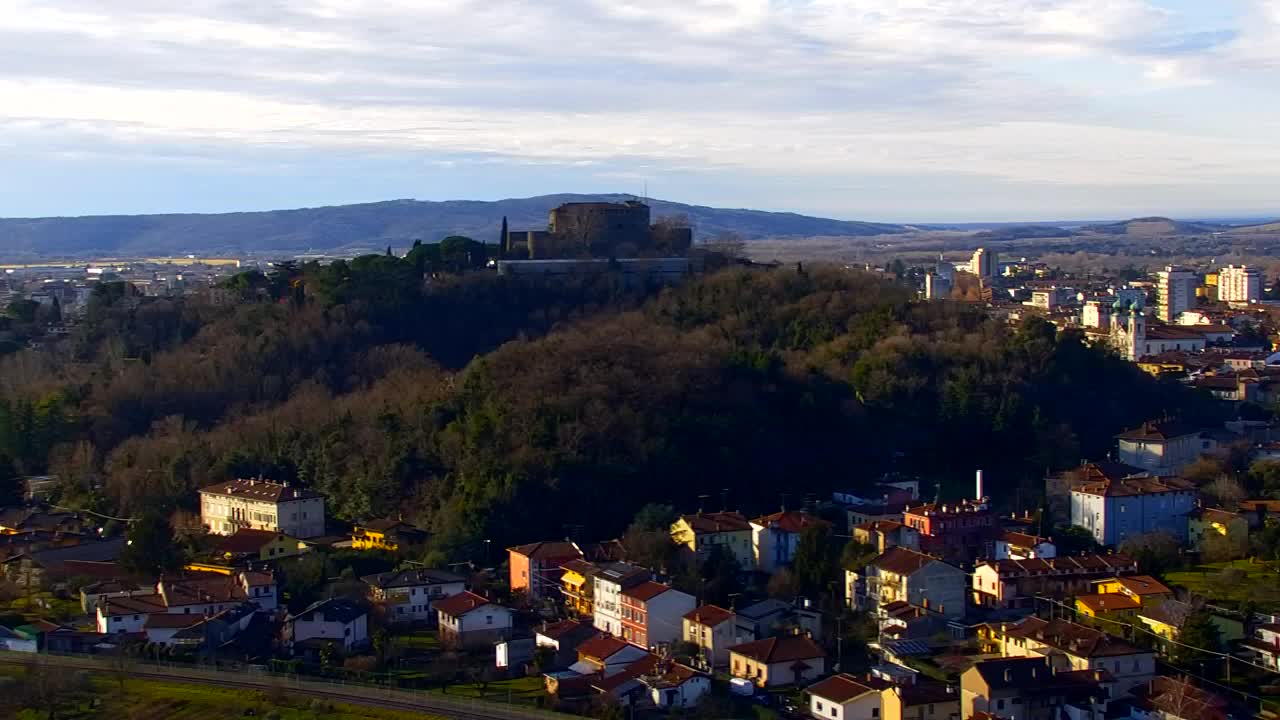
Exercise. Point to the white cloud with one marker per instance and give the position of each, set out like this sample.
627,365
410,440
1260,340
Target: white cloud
1035,91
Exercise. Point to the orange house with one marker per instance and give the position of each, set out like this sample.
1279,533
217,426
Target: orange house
535,568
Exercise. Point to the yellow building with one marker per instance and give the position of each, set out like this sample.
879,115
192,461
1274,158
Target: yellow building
577,586
1145,590
386,534
1158,368
702,533
1167,619
259,545
1111,606
1205,523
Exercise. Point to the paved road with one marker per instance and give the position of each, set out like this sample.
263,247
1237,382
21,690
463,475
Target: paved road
438,705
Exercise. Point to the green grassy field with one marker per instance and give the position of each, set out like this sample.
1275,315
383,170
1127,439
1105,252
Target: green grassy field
152,699
1259,584
521,691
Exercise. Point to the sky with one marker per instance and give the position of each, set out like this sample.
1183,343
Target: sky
891,110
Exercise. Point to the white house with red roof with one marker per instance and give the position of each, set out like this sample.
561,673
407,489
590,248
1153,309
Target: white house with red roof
843,697
470,620
711,628
774,538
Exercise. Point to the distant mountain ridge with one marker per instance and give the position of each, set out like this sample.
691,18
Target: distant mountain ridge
368,226
1155,226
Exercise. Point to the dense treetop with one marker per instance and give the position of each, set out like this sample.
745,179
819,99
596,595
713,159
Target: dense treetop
516,409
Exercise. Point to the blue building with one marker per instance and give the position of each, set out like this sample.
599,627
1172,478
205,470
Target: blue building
1115,509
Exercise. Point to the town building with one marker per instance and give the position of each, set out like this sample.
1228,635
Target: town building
775,537
1175,292
1240,284
563,639
1031,688
1021,546
1016,583
200,594
610,581
1057,488
1072,646
778,661
535,569
712,629
768,617
702,533
960,530
247,544
843,697
389,534
409,594
902,575
885,534
1109,607
1142,589
985,264
1213,528
468,620
937,287
577,587
1166,619
1113,510
261,505
653,613
1264,646
919,700
336,621
673,686
1172,698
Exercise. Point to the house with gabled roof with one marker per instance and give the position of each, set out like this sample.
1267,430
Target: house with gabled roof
844,697
1113,510
1162,447
774,538
535,568
409,594
1072,646
470,620
1016,583
702,533
337,622
903,575
711,628
261,505
778,661
390,534
653,612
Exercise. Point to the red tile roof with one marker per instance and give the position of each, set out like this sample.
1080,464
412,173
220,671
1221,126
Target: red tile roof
646,591
787,648
561,550
602,647
260,490
246,540
839,689
717,522
793,521
1110,602
902,561
460,604
1143,585
557,630
709,615
172,620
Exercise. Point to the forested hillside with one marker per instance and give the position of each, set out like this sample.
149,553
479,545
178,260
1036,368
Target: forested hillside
503,409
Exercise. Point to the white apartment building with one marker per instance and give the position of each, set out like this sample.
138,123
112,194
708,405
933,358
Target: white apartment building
985,263
1240,284
260,505
612,579
1175,292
